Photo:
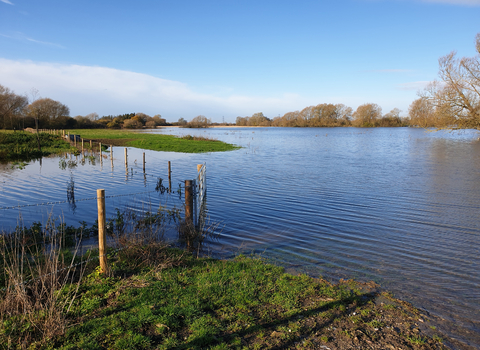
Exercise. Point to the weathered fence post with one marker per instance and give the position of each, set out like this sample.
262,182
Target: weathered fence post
126,159
188,202
143,162
82,145
102,246
91,146
75,140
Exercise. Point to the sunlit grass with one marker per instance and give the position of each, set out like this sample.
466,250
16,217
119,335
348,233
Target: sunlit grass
155,142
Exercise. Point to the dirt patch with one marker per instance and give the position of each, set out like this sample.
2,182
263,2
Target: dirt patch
378,322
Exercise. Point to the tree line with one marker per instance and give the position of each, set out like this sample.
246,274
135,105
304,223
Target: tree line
329,115
453,101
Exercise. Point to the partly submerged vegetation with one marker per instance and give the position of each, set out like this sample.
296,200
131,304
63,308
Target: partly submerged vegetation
24,146
158,297
155,142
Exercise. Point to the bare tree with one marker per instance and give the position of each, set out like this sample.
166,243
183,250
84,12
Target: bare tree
367,114
46,110
11,107
199,122
456,98
92,116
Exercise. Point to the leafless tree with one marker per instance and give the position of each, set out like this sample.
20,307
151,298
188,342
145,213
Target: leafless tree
46,110
11,107
456,98
367,114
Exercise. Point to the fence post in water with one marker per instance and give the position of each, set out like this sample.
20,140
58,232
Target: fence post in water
126,159
82,145
91,144
75,140
102,246
143,162
169,177
188,202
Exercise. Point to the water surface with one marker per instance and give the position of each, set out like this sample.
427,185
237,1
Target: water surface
395,205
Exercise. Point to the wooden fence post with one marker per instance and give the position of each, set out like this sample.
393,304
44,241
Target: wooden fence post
188,202
82,145
102,246
143,162
126,159
91,144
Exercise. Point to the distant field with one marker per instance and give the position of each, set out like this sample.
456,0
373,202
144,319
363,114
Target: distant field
167,143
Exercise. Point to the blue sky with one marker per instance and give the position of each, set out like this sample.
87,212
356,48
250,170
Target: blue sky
223,59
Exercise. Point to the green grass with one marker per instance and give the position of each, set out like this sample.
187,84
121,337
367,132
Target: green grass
23,146
157,297
200,304
188,303
167,143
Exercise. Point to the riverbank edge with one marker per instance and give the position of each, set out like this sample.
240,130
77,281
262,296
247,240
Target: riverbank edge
178,301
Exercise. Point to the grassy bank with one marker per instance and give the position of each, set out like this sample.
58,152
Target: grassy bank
23,146
156,297
167,143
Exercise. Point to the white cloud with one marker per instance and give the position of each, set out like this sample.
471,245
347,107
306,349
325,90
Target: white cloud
6,1
87,89
414,85
44,42
21,36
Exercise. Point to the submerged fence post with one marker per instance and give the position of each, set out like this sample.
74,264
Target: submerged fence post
82,145
102,246
143,162
126,159
188,202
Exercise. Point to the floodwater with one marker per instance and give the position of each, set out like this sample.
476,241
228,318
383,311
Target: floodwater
398,206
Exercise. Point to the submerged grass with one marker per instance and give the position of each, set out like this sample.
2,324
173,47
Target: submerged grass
23,146
167,143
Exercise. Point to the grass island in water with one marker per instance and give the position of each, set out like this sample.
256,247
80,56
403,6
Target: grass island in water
155,142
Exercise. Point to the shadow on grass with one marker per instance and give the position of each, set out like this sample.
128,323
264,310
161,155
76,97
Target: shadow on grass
270,327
